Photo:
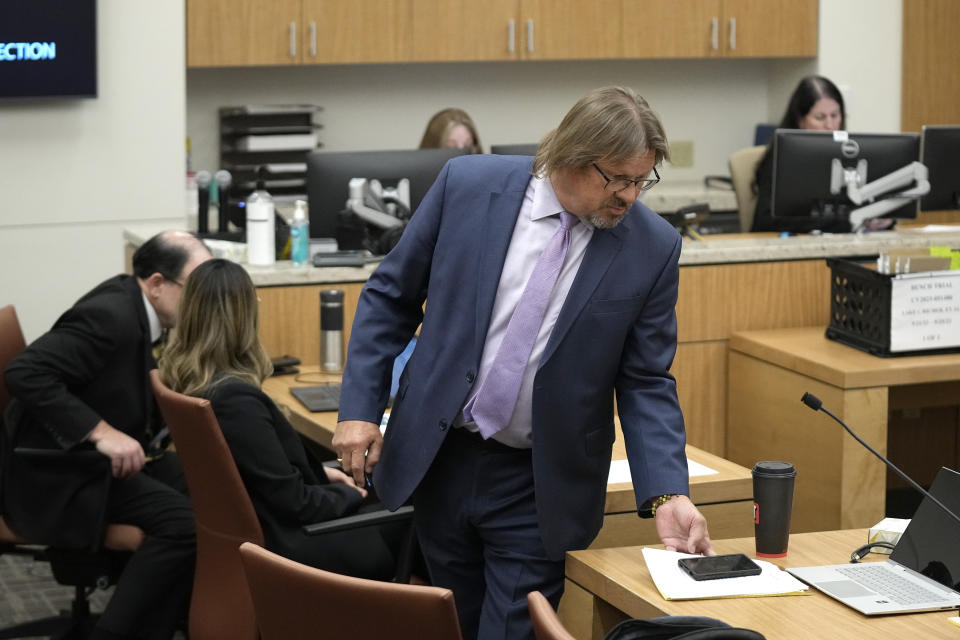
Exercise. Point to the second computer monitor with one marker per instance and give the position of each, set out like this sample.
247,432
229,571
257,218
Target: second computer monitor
329,173
803,200
515,149
940,153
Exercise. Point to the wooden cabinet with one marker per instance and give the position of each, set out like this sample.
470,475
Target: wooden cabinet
460,30
356,31
719,28
570,29
770,28
222,33
235,33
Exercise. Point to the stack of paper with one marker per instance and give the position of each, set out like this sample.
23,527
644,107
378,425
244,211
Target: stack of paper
674,583
620,471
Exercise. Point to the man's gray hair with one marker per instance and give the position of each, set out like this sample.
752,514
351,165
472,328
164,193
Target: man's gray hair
610,123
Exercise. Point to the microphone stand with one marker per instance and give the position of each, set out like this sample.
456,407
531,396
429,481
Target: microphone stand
816,404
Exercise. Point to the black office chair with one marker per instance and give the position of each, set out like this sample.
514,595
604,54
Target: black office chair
84,570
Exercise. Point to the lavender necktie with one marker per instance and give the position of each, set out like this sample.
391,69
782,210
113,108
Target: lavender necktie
492,406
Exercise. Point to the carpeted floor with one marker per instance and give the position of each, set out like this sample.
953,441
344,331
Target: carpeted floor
29,592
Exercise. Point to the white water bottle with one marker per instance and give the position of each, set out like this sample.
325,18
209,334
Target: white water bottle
300,235
260,226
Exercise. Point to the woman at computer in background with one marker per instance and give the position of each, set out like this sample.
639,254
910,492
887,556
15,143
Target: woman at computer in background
216,354
451,129
816,104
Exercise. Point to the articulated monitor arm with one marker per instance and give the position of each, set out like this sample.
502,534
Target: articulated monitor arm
365,192
910,182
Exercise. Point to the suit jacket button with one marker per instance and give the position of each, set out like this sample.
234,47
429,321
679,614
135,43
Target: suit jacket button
470,377
443,425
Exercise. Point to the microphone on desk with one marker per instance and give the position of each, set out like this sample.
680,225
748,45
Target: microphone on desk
224,179
203,198
816,404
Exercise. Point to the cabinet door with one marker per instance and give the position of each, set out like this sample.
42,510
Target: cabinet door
770,28
672,28
460,30
569,29
227,33
345,31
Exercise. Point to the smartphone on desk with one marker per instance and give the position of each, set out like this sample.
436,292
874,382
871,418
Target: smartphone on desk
732,565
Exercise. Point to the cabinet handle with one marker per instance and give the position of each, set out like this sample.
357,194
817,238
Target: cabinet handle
293,39
530,36
313,39
715,34
733,34
511,35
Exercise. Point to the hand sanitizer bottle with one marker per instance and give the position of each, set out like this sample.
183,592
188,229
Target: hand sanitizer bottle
261,242
300,235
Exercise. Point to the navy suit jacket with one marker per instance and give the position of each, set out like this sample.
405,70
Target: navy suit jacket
616,333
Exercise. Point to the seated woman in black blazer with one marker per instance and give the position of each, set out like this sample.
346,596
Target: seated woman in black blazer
217,355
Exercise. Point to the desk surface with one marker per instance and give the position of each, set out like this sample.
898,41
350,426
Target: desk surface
619,577
807,351
732,482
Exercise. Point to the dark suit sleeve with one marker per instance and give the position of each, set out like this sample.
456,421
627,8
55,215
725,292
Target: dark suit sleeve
70,356
389,311
647,402
254,437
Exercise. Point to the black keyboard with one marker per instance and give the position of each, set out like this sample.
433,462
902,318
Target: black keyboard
340,259
325,397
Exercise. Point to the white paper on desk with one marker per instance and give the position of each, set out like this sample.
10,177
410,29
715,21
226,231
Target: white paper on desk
935,228
674,584
620,471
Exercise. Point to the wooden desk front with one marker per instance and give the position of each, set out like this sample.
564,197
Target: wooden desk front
724,498
620,586
839,483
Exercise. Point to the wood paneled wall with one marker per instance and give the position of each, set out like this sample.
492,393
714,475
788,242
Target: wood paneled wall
718,300
931,63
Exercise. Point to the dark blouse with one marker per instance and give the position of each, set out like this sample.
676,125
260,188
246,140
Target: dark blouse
285,490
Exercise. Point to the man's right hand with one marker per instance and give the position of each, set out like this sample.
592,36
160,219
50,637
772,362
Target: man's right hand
358,445
125,453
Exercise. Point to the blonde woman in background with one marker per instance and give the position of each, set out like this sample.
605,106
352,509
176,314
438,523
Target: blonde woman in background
451,129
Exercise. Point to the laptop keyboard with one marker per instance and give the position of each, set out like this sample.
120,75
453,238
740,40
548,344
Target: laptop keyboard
890,584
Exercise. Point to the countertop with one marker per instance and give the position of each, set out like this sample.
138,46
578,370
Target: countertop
715,249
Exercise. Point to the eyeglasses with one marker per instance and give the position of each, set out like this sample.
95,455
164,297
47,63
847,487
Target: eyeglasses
619,184
174,281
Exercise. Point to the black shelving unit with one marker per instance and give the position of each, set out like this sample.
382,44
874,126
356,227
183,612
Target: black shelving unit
277,137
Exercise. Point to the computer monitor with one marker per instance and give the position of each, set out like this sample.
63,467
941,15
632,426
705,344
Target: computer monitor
940,153
329,173
809,168
529,149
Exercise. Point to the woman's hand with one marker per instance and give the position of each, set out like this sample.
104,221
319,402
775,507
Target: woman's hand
337,476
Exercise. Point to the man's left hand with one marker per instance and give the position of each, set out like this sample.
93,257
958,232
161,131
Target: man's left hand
682,527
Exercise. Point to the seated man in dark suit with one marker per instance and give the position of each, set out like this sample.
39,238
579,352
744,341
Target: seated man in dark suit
83,387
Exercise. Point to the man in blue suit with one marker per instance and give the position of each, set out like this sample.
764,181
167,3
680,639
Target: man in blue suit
507,465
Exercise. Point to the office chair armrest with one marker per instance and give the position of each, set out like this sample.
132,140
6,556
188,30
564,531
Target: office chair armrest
360,520
718,182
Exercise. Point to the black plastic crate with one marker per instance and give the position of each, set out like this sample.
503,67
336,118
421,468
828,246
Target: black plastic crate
860,307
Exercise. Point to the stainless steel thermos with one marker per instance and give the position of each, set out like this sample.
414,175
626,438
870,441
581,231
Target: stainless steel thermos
331,329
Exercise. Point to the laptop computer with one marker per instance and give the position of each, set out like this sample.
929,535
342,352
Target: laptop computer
923,572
